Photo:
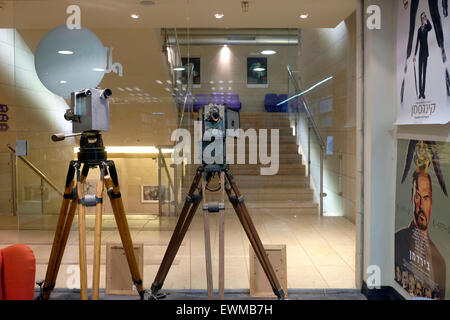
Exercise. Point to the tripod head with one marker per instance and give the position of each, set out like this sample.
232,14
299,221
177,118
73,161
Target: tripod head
89,114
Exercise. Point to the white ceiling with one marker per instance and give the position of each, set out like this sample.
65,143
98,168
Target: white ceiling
183,13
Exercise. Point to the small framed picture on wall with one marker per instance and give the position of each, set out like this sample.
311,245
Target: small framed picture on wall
257,72
149,194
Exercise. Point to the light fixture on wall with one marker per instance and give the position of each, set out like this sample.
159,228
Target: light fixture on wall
304,15
135,16
65,52
147,2
132,150
219,15
268,52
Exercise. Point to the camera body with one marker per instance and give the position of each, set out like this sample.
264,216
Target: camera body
89,110
216,120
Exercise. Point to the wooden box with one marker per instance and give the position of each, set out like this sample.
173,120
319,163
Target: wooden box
259,284
118,275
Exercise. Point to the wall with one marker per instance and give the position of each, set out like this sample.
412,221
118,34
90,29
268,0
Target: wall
325,53
380,142
35,114
218,65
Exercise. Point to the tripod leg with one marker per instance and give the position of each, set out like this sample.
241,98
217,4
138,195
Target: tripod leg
98,237
82,240
52,267
187,213
253,237
209,280
222,241
112,184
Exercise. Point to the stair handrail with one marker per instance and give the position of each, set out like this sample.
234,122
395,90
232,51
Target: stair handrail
42,175
313,125
307,109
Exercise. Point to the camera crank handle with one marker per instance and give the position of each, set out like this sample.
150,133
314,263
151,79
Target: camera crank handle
61,136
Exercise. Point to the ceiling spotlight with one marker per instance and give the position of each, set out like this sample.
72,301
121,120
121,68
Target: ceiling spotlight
135,16
304,16
219,15
159,82
65,52
120,89
268,52
98,70
259,69
63,81
178,69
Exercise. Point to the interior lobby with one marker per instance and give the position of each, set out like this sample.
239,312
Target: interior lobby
317,81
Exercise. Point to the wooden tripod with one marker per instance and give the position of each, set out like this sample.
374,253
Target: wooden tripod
75,198
187,213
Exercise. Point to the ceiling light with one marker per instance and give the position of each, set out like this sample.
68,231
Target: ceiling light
219,15
304,15
268,52
120,89
129,89
63,81
65,52
259,69
178,69
98,70
159,81
135,16
169,82
167,89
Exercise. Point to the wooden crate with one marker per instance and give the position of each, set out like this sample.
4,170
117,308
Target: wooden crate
259,284
118,275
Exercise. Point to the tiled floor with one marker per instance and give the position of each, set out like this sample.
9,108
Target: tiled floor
320,250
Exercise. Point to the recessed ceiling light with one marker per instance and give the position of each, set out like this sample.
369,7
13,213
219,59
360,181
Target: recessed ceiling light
304,15
219,15
63,81
120,89
98,70
268,52
169,82
159,82
65,52
129,89
259,69
178,69
135,16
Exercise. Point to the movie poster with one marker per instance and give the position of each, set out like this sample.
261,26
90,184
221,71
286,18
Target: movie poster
422,219
423,62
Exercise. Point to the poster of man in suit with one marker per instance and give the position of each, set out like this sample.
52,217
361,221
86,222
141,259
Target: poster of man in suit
423,78
422,219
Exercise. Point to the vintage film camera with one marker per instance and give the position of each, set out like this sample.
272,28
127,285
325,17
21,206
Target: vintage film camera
216,120
89,114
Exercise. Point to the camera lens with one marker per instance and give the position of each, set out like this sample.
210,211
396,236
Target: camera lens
107,93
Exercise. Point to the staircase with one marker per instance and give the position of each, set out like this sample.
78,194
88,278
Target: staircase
288,191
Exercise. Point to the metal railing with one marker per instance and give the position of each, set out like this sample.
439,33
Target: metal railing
312,126
42,176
